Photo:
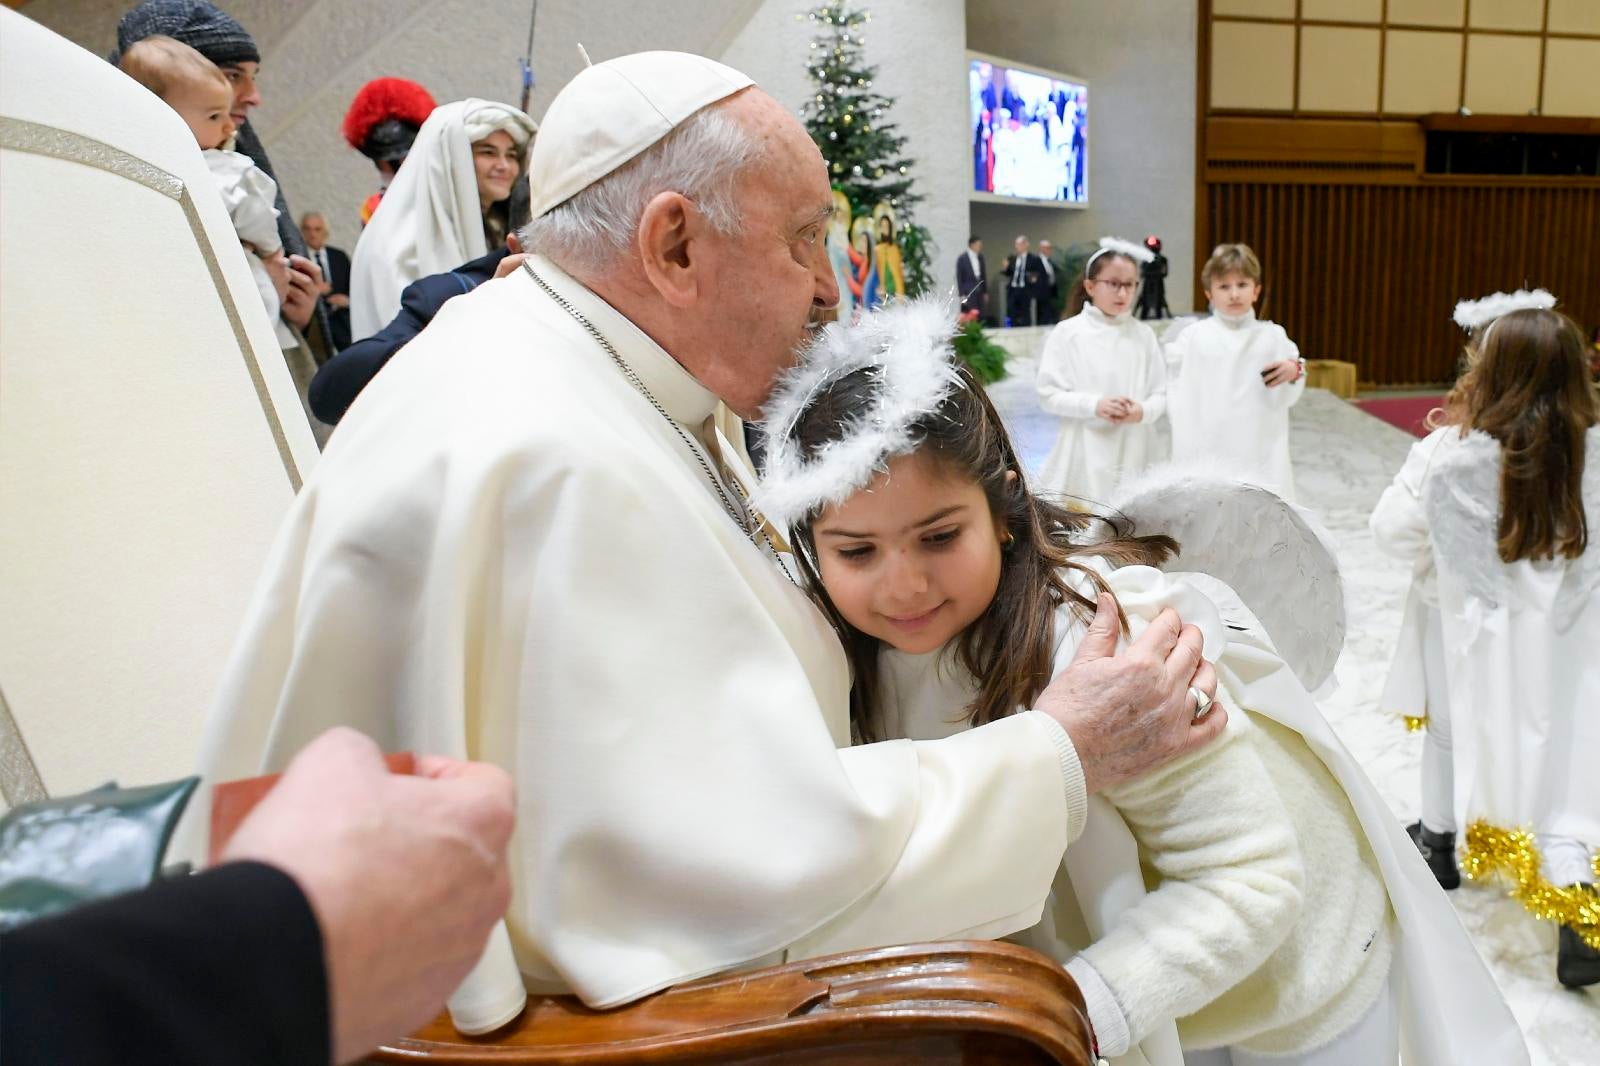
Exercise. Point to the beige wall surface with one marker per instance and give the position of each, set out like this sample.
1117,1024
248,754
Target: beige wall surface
317,53
1139,58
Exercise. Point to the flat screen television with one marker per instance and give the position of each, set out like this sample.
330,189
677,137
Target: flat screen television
1030,133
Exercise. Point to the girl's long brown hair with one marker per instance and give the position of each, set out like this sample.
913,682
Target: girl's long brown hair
1008,649
1527,385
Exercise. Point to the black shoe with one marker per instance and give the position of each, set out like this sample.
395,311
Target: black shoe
1577,964
1439,852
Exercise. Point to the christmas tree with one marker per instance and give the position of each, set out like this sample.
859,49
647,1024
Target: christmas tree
849,122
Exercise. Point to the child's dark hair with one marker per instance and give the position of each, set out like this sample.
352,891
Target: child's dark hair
1091,270
1009,647
1528,386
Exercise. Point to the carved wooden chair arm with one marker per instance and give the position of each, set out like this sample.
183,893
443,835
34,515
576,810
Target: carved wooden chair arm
956,1002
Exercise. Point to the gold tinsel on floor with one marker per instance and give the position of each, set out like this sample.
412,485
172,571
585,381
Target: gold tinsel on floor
1514,854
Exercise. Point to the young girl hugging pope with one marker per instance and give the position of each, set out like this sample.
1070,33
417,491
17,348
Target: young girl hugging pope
1288,917
1103,374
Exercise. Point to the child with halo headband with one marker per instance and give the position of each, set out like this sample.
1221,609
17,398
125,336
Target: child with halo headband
1291,920
1103,374
1504,498
1234,378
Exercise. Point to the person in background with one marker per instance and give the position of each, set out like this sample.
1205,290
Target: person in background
450,203
335,267
972,279
382,124
196,89
220,38
345,908
1023,271
1050,285
1505,497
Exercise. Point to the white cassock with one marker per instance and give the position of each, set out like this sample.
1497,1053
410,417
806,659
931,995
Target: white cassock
1520,641
508,554
1086,358
1221,411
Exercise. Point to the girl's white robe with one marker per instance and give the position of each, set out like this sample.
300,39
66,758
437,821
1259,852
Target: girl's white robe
1222,413
1450,1010
1086,358
1411,689
1520,641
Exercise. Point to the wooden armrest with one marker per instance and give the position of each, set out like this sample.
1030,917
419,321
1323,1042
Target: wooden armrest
956,1002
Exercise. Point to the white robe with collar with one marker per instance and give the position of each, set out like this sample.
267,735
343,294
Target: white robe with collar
507,554
1222,413
1086,358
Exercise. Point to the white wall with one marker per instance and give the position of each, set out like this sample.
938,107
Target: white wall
1139,57
317,53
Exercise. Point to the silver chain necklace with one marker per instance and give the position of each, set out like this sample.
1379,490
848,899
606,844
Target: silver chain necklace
738,512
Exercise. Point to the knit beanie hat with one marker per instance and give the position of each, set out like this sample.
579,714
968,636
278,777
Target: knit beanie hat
209,31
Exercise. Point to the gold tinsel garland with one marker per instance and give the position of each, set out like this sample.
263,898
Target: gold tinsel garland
1415,723
1514,853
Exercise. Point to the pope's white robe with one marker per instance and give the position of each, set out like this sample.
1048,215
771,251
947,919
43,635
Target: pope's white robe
1449,1007
1222,413
1520,642
1086,358
507,554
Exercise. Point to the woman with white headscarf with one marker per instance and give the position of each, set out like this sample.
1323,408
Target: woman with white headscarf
449,203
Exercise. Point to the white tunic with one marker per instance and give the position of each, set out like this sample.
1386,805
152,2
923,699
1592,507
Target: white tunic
1411,689
1221,411
1086,358
1232,901
1520,642
507,554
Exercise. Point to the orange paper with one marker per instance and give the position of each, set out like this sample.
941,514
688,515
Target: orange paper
231,801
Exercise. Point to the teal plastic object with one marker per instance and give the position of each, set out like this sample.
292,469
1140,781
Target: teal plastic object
59,853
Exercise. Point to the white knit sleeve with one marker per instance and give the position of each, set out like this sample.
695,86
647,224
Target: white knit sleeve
1219,836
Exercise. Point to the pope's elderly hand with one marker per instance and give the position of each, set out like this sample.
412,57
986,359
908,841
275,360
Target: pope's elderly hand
406,875
305,282
1130,712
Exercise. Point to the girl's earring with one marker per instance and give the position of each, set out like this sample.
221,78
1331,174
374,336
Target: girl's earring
1008,540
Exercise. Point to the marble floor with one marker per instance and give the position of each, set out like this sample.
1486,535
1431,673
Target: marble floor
1343,460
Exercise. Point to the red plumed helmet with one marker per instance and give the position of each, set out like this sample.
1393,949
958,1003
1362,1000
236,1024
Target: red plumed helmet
387,102
1153,243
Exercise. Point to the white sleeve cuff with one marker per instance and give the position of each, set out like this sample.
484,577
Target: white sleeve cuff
1110,1027
1071,774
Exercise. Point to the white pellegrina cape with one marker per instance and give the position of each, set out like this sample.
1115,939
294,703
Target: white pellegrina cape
508,554
1449,1008
430,219
1520,646
1220,409
1086,358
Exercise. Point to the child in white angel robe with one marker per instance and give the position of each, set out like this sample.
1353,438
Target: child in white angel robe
1233,379
1103,374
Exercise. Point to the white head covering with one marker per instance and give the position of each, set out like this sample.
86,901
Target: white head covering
613,111
430,219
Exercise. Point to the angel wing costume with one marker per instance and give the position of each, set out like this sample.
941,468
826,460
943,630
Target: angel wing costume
1449,1009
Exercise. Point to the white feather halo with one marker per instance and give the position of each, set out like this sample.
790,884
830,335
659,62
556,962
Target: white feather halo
1476,314
910,344
1137,252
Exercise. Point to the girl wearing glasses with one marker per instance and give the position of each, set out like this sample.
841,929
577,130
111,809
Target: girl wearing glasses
1103,374
1234,378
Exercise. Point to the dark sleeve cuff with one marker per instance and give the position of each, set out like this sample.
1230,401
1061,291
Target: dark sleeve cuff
224,966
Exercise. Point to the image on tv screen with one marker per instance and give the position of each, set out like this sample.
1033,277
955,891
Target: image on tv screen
1030,134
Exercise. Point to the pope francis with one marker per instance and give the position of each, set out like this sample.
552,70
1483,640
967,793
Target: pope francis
528,543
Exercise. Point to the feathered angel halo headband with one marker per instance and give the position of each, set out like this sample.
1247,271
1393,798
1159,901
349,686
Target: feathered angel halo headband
1478,315
907,349
1137,252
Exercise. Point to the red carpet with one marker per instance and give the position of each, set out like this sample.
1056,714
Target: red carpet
1405,412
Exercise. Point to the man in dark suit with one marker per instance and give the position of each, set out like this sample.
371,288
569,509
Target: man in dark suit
972,279
335,277
1023,272
1050,285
